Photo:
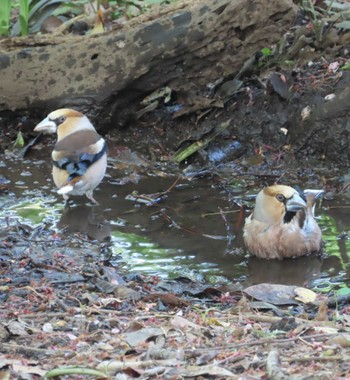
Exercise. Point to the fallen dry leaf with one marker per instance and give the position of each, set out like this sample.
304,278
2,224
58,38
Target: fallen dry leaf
273,293
17,328
242,306
4,333
211,370
181,323
167,299
135,338
305,295
322,314
342,340
113,366
21,369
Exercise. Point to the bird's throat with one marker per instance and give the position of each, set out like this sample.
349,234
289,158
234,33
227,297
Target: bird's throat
289,215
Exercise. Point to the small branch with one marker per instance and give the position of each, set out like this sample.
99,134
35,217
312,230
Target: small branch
261,342
333,358
232,359
273,366
305,342
31,350
271,319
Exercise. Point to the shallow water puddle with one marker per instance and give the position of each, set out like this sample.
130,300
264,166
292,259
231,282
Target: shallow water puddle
195,230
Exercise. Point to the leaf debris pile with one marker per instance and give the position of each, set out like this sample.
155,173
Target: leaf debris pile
66,313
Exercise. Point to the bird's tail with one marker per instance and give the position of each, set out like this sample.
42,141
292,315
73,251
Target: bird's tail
68,186
312,196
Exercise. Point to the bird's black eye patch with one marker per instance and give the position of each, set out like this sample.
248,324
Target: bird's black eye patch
289,215
280,198
59,120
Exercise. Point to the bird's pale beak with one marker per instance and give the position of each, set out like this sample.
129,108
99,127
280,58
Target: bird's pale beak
46,126
295,203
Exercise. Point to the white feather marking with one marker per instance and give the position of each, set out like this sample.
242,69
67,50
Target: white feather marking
65,189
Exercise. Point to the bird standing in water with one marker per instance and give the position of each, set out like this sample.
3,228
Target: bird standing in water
282,224
80,154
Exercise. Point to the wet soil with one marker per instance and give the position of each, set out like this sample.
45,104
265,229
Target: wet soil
154,276
150,282
188,226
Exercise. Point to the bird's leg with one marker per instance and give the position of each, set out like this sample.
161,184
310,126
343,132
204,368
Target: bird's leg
67,200
90,196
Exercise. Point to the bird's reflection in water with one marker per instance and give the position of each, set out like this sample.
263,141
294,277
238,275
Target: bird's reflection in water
87,220
301,271
298,271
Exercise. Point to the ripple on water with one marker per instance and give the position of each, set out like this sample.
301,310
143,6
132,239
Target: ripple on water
178,236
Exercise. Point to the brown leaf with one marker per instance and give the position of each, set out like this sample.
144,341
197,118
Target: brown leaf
134,326
273,293
131,372
167,299
242,306
50,24
322,311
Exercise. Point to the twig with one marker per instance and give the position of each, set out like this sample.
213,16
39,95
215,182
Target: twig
34,291
261,342
113,366
44,315
273,366
232,358
271,319
31,350
190,231
333,358
305,342
221,212
63,305
172,186
151,199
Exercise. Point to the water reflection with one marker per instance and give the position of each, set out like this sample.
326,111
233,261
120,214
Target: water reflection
299,271
196,230
85,219
148,241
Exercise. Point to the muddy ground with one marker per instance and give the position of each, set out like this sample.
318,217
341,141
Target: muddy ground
66,307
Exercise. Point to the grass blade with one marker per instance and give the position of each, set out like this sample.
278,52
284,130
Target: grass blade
5,14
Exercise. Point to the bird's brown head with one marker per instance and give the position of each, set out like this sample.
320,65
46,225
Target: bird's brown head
278,203
64,121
